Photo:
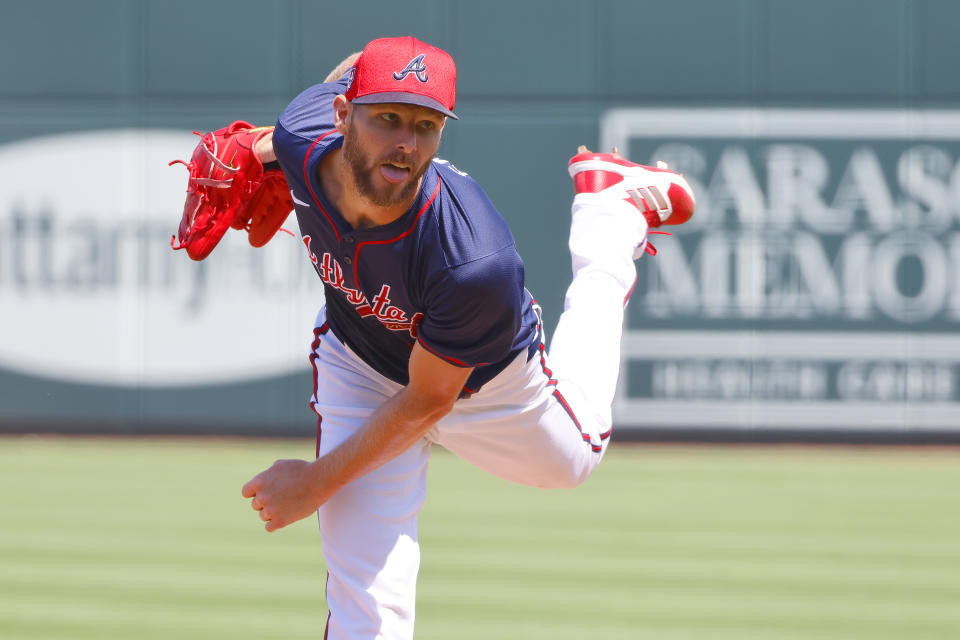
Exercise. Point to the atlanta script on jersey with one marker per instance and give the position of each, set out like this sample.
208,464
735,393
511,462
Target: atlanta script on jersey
446,273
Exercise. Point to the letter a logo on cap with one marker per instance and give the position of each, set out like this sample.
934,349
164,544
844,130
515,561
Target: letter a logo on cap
415,66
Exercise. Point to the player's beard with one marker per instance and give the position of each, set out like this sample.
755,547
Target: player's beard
364,171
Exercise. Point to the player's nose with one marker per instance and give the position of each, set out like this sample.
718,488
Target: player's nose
406,139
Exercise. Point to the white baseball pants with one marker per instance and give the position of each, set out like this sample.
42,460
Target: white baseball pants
544,422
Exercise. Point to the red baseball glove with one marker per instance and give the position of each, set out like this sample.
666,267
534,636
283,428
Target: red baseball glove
228,187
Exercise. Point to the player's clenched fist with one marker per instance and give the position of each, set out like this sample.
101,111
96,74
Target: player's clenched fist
286,492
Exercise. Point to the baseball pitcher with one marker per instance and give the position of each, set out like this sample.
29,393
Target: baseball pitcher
427,335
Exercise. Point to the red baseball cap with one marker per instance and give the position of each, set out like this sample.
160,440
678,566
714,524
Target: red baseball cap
405,70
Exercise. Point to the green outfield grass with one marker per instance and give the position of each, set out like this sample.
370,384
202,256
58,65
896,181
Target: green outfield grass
149,538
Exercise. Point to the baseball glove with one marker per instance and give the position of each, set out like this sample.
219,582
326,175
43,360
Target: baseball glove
228,187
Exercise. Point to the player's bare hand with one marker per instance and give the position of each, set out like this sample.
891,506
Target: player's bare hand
284,493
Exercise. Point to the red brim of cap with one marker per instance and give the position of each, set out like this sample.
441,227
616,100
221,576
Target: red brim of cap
405,98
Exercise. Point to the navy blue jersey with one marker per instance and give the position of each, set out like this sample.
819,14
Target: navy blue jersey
446,273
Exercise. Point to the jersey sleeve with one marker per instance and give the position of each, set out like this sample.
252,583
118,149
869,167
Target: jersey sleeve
474,310
305,120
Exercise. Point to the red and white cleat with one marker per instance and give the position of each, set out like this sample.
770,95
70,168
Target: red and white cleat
661,195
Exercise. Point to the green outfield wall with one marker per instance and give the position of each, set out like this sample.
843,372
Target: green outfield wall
815,294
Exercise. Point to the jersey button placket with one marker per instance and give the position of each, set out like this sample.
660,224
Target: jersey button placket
349,241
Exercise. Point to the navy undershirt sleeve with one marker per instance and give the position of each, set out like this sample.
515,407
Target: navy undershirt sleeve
308,117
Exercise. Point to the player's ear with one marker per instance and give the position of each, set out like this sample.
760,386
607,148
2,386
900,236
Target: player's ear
342,108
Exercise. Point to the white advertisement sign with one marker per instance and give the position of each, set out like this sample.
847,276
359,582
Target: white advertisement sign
818,284
90,290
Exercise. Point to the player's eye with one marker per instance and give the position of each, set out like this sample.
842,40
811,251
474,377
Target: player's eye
389,117
428,125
